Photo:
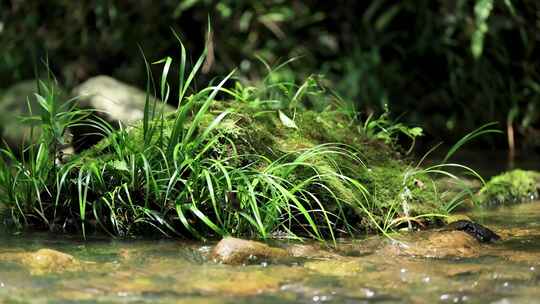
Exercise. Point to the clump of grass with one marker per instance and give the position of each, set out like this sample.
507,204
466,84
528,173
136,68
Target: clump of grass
251,167
30,185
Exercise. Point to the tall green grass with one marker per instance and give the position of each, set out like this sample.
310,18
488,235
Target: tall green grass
30,187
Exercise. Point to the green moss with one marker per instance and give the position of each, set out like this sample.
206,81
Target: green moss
511,187
380,169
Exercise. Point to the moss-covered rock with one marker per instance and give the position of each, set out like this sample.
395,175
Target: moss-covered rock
362,183
462,189
511,187
389,180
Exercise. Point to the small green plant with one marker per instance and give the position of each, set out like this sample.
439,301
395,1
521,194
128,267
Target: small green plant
447,169
387,130
416,183
56,118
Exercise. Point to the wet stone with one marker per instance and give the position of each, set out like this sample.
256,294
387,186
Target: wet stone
250,280
437,266
344,267
237,251
479,232
441,244
309,251
49,261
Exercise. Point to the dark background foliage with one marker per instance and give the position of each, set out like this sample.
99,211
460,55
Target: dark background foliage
421,57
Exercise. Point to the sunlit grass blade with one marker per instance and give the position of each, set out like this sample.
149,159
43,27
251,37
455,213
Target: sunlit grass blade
483,130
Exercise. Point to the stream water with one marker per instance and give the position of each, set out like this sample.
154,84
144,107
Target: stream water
181,272
169,271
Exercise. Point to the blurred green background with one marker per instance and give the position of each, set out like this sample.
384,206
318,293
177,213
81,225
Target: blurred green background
448,66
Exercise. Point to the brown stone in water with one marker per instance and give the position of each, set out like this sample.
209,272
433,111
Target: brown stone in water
445,244
237,251
49,260
310,251
339,267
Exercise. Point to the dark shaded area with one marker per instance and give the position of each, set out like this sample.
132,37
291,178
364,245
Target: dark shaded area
414,55
479,232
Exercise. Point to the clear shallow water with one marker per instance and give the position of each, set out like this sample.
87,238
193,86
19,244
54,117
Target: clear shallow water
180,272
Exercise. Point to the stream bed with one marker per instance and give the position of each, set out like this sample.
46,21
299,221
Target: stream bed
170,271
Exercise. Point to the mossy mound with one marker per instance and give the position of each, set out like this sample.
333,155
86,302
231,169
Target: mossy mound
232,169
380,168
355,162
511,187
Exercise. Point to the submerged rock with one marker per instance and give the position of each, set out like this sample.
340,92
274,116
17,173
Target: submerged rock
309,252
237,251
336,267
49,261
246,281
436,244
511,187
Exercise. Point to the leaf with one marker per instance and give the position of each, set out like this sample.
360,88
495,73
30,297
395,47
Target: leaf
386,17
286,121
482,11
415,132
119,165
